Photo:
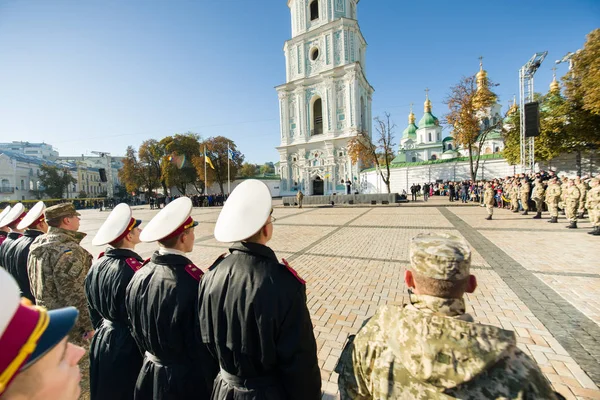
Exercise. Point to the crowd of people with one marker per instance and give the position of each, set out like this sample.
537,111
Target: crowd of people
163,329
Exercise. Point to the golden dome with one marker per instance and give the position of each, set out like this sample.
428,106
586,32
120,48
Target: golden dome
554,86
481,75
513,108
411,116
427,104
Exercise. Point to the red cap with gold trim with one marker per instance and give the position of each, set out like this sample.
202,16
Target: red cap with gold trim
34,216
170,221
26,332
117,225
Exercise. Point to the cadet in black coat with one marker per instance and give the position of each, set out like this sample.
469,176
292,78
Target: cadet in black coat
18,251
11,220
161,305
115,359
252,309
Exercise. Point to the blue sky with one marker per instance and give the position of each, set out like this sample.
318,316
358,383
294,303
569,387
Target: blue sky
102,75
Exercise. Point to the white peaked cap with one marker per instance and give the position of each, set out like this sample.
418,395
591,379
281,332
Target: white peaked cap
33,215
3,214
168,220
245,212
117,222
12,215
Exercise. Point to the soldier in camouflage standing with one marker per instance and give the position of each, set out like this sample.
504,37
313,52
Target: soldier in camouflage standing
525,189
488,200
514,196
572,197
563,190
538,197
553,196
593,206
583,189
430,348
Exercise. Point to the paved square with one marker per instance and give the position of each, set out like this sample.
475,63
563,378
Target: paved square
538,279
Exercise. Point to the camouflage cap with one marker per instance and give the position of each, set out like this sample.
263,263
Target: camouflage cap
60,211
440,256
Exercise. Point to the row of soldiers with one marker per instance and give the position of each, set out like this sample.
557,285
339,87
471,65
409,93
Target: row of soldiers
163,329
574,197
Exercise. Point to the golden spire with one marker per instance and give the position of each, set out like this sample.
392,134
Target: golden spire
481,75
554,86
513,108
411,116
427,101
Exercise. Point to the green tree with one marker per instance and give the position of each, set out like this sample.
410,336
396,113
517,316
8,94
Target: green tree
582,83
469,102
178,167
248,170
216,149
82,194
132,174
365,152
54,180
267,168
151,156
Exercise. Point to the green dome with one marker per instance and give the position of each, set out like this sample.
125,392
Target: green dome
494,135
448,139
410,131
429,120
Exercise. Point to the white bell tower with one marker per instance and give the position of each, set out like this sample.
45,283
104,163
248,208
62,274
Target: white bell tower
326,99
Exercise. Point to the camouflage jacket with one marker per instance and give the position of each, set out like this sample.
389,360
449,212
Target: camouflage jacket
430,349
488,197
553,192
593,198
572,194
57,266
538,191
525,189
583,189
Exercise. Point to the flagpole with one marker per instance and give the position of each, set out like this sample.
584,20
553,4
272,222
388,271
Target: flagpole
205,181
228,173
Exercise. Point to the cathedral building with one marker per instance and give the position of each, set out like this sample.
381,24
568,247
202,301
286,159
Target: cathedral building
326,100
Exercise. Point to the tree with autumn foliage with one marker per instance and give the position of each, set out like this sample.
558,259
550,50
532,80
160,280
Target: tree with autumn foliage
178,168
469,102
364,151
150,157
131,172
582,82
216,150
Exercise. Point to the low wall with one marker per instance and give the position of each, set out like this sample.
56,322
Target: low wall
375,198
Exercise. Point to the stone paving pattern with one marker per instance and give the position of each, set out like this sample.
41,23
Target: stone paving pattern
538,279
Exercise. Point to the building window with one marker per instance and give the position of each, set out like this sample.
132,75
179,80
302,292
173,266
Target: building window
314,53
317,121
314,10
22,187
363,112
414,159
433,157
497,149
429,136
439,136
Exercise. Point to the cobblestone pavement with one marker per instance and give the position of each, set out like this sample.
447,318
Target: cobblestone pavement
538,279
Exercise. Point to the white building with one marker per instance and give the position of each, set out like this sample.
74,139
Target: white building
326,100
41,150
19,175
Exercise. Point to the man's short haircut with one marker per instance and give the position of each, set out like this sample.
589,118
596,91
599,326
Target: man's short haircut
54,222
440,288
172,242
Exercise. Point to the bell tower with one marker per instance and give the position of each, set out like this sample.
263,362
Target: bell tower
326,100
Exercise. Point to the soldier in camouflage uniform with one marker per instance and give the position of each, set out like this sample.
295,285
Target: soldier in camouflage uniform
593,206
432,349
572,196
488,200
553,195
514,196
525,189
583,189
563,190
538,197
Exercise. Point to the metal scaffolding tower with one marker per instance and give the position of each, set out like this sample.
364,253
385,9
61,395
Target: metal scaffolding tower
110,189
526,96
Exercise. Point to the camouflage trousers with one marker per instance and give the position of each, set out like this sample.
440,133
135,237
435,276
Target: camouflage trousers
571,211
490,209
594,217
525,203
514,203
539,205
552,208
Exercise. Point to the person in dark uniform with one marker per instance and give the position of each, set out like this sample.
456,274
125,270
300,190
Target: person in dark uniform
11,220
4,231
161,305
115,359
34,224
252,309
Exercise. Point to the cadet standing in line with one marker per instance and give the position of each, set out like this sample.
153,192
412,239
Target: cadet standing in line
583,189
115,359
488,200
11,220
553,196
161,302
252,309
572,197
4,231
525,189
36,361
593,206
538,197
34,225
430,348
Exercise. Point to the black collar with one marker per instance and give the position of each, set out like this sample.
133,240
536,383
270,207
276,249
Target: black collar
32,233
254,248
2,233
170,259
14,235
122,253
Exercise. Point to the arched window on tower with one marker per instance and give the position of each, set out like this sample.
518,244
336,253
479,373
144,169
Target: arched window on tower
363,112
449,146
317,119
429,136
314,10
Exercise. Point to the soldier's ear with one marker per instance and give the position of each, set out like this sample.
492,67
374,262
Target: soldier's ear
472,284
409,279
